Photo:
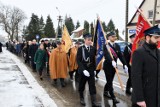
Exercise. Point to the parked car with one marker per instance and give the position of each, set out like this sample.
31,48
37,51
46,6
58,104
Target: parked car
122,44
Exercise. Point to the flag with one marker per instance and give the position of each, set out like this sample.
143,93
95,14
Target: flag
66,40
99,41
159,45
142,25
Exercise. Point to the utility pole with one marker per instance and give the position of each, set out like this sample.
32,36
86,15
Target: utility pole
126,22
154,12
59,24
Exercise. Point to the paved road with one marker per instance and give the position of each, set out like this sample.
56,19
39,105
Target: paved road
68,96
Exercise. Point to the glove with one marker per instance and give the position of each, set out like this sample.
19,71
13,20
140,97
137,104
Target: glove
125,69
86,73
95,72
114,64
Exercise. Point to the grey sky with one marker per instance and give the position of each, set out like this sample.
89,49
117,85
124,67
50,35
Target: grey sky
78,9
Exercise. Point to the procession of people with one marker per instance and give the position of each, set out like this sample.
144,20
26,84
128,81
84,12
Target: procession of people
144,73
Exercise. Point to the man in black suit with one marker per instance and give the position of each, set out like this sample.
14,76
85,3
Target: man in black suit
127,56
32,50
145,71
86,67
110,64
46,47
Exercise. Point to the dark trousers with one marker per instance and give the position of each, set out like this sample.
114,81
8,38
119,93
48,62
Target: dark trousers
47,68
40,71
76,76
71,74
33,65
129,85
109,74
91,83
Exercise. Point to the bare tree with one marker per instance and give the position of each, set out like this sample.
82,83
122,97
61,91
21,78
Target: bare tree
11,19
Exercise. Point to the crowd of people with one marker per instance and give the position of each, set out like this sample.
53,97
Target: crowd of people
80,60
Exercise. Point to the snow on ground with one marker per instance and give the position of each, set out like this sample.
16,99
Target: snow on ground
18,88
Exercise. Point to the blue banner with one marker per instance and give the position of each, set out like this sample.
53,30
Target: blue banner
100,42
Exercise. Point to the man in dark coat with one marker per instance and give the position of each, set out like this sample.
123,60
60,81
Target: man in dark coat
86,67
46,47
110,64
127,56
145,71
32,50
1,47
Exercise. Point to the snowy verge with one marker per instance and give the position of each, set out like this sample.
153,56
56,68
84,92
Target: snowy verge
39,91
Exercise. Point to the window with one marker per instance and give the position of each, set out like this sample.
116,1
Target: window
150,14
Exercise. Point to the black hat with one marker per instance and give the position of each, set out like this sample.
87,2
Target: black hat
87,35
77,43
58,43
42,40
153,31
111,34
46,40
132,36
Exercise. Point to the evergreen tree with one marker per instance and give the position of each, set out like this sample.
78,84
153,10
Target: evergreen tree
86,27
77,25
117,33
49,29
41,25
92,28
69,24
104,26
33,28
110,26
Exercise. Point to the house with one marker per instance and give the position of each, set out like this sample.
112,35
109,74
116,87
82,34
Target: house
147,7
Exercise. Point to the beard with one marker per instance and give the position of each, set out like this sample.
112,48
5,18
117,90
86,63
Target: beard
153,45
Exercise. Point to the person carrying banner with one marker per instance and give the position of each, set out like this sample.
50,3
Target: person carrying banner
127,56
110,65
73,66
86,67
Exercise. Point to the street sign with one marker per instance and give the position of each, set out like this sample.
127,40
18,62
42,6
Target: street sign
37,36
131,31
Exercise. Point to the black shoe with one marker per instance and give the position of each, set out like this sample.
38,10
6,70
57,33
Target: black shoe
41,78
82,102
93,99
106,94
115,101
128,92
63,84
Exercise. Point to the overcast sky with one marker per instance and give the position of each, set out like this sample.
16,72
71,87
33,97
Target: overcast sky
78,9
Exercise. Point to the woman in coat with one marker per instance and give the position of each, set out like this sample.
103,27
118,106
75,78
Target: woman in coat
40,60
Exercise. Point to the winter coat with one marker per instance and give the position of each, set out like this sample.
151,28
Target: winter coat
58,64
40,59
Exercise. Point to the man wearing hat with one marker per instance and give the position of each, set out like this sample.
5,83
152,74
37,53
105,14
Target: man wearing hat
127,56
145,70
58,64
111,63
86,66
